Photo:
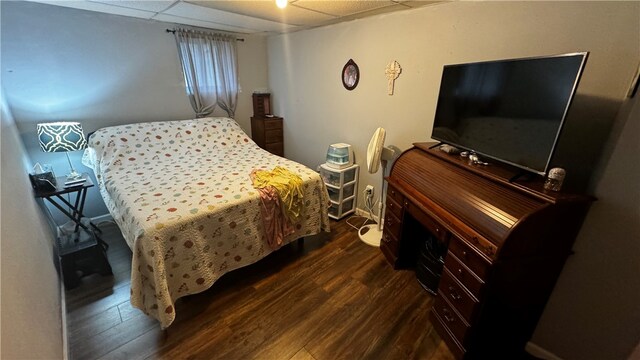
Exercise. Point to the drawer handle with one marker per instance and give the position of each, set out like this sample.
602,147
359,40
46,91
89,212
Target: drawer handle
437,230
460,271
447,317
464,253
391,205
454,295
385,237
406,203
489,250
393,192
390,222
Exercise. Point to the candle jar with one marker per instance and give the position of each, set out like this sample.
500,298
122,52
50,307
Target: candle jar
554,180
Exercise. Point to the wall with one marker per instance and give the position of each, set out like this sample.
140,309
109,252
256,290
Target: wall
585,319
31,309
318,111
101,70
597,297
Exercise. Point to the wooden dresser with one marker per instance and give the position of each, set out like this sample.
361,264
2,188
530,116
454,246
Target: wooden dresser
267,133
506,245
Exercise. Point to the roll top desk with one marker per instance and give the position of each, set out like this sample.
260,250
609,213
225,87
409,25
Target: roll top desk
506,243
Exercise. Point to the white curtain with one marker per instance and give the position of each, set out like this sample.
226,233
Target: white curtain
210,70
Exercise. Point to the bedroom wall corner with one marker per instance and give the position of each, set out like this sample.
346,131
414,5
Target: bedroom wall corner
31,323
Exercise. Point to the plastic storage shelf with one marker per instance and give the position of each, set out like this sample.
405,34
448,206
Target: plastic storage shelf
342,185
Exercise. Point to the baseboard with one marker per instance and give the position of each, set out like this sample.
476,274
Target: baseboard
65,334
539,352
365,213
101,218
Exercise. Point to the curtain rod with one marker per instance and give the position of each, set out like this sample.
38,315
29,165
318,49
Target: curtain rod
173,32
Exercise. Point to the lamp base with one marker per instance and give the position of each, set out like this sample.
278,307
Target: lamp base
73,175
370,235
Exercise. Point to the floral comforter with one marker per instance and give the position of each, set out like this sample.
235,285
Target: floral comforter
181,194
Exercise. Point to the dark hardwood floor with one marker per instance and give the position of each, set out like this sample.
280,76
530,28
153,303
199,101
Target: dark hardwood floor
333,297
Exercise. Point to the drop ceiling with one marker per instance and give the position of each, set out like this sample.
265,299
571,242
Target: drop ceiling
244,16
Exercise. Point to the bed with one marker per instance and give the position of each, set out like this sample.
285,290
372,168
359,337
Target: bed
181,193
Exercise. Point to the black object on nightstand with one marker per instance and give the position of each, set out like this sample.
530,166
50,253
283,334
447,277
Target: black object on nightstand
82,250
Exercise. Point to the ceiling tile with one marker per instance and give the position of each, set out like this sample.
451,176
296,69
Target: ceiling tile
245,16
151,5
99,7
267,10
191,11
386,9
205,24
341,8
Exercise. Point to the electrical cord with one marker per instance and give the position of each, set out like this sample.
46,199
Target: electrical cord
369,203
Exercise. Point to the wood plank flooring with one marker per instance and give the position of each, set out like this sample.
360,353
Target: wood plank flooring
332,297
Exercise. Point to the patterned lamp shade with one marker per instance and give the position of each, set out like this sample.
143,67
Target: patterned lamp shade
61,136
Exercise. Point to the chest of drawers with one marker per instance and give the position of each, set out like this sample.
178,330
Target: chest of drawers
267,133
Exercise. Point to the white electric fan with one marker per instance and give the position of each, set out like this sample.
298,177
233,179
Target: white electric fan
377,153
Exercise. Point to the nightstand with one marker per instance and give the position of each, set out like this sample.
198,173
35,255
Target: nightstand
74,211
82,250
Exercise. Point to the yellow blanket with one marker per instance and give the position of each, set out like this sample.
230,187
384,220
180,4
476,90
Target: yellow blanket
288,185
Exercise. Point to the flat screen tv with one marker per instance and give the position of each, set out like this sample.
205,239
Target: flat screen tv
508,110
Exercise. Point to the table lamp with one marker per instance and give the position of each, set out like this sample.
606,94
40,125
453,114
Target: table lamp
62,137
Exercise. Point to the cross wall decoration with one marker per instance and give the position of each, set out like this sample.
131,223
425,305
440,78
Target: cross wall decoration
392,71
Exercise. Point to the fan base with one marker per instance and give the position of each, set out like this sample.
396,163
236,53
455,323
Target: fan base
370,235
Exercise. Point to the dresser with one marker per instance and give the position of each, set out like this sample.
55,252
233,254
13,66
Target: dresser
267,133
505,245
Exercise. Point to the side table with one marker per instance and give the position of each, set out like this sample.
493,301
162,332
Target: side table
74,211
82,250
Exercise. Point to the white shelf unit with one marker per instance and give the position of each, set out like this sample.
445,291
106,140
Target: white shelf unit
342,185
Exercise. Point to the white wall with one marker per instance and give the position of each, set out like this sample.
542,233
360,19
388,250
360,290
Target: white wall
593,310
304,72
99,69
31,312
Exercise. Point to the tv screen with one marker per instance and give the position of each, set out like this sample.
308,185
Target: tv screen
508,110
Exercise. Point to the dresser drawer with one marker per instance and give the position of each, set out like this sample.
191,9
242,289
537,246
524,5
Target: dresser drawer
465,276
427,221
273,136
483,245
460,298
395,194
394,207
389,253
392,224
451,320
469,257
456,349
275,148
273,124
390,241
